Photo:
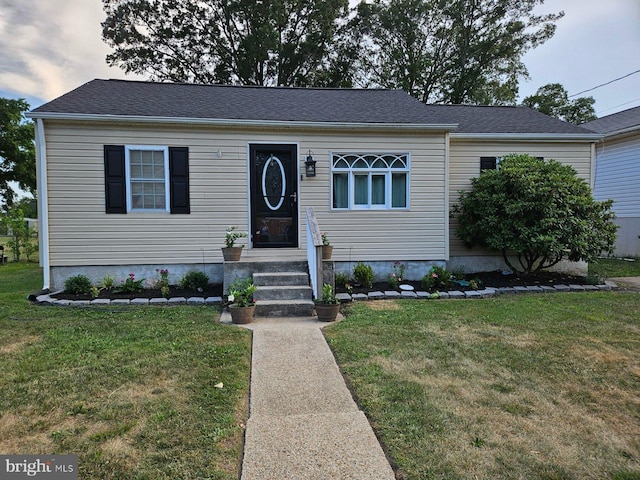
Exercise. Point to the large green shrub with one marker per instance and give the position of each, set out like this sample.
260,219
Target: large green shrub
537,210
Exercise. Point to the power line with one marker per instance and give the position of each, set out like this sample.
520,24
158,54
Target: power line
607,83
599,112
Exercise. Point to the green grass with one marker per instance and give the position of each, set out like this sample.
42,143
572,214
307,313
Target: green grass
130,390
615,267
526,387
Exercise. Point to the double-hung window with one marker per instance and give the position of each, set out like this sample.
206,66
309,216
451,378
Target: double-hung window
146,179
370,181
147,171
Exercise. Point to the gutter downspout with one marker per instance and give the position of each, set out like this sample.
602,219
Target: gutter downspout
43,204
447,220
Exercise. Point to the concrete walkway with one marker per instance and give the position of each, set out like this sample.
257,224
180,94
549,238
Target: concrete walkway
303,422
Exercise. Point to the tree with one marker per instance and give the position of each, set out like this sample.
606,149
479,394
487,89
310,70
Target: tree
22,237
17,150
537,210
552,99
450,51
281,42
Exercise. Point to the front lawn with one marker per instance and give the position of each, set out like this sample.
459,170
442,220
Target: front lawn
135,392
518,387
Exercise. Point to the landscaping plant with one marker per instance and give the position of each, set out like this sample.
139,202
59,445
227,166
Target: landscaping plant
436,278
194,280
537,210
363,274
129,285
78,285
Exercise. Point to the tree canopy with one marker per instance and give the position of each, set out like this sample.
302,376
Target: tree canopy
248,42
17,150
552,99
455,51
447,51
537,210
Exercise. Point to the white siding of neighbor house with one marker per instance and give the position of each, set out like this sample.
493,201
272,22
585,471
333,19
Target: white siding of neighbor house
465,164
81,233
618,178
618,174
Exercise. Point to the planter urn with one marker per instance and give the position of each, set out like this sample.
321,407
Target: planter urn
327,312
231,254
327,251
242,315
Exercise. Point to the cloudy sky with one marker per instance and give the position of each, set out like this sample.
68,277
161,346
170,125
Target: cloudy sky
52,46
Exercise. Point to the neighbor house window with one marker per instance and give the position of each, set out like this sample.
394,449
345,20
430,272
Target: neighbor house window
148,178
370,180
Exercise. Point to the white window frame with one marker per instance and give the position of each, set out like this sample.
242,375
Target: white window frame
370,172
127,158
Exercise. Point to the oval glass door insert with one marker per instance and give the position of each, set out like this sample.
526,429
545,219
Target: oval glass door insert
274,183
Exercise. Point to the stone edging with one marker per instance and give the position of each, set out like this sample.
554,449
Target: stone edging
484,293
47,299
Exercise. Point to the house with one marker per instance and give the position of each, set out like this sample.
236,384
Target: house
135,176
617,174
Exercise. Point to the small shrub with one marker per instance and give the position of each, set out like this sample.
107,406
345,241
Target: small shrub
130,285
396,277
194,280
363,274
475,284
593,279
107,283
78,285
342,279
437,277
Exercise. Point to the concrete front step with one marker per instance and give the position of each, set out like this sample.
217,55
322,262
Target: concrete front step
270,279
284,308
283,293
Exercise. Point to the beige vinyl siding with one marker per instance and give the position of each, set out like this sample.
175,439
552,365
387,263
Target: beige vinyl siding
465,164
81,233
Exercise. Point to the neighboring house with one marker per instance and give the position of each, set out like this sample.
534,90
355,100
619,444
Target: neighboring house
135,176
617,174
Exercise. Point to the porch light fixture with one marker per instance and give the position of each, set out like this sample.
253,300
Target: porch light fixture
310,166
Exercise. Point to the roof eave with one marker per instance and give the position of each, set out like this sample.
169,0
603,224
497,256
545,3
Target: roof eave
564,137
622,131
221,122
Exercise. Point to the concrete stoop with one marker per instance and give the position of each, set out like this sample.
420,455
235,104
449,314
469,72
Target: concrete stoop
283,294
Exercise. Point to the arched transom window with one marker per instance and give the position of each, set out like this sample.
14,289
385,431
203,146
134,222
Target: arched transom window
370,181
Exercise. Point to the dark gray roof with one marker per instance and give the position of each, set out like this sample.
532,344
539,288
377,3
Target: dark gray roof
616,122
223,102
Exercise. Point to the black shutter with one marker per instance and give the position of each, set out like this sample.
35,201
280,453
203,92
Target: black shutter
179,180
487,163
115,188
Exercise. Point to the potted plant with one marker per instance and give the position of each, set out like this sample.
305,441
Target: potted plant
241,303
328,306
230,252
327,249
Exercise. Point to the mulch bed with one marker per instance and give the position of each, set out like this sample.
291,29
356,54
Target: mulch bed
212,290
494,279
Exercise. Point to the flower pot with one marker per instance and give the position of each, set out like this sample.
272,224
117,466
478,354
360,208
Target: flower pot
327,312
232,254
327,251
242,315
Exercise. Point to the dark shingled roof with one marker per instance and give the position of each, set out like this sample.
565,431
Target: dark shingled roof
324,105
625,120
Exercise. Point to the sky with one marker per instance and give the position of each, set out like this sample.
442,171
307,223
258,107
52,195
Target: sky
49,47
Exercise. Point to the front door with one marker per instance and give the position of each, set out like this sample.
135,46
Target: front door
274,203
